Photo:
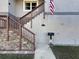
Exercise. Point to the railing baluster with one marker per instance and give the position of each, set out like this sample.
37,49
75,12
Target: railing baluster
2,23
22,33
7,28
20,29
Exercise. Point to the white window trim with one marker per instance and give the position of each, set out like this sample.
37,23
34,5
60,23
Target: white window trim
24,6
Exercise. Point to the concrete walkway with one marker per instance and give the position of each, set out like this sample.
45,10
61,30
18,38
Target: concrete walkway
43,51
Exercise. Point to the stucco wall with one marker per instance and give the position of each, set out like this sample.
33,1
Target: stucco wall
3,5
63,5
19,7
65,27
11,7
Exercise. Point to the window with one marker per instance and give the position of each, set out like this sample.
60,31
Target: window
33,5
29,5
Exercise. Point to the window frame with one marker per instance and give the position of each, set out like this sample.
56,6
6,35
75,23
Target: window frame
24,6
33,6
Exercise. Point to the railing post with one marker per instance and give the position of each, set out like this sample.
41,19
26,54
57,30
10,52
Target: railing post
34,42
7,28
31,20
20,41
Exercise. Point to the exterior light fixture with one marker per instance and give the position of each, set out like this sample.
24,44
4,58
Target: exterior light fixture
50,34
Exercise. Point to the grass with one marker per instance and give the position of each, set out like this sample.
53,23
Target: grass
16,56
66,52
61,52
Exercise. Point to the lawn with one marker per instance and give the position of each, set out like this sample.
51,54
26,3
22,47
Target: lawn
66,52
16,56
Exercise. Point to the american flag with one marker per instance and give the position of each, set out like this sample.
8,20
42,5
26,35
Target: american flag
52,6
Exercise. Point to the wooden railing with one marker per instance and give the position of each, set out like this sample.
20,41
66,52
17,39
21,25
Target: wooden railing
24,34
2,23
12,16
30,15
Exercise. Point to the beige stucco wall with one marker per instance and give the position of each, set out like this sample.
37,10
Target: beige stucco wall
19,8
15,7
3,5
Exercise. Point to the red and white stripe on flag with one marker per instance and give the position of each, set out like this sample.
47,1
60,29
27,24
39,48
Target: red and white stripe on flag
52,6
